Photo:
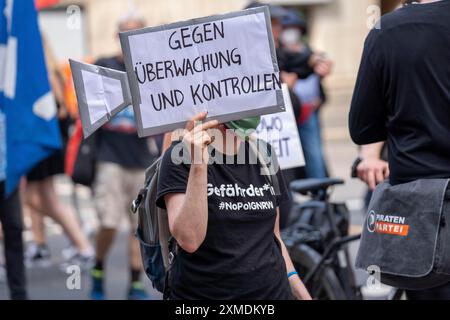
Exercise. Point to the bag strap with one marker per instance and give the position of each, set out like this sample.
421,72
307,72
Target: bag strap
261,148
149,173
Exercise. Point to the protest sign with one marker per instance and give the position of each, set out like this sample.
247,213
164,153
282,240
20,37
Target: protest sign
224,64
280,130
101,94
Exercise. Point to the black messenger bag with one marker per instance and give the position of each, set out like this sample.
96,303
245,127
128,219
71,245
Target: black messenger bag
406,236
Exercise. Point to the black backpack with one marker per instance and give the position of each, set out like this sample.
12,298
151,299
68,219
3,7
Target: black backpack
153,229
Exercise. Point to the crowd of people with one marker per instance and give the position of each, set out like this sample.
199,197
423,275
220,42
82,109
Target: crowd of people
216,258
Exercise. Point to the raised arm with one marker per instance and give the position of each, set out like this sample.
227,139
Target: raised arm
188,212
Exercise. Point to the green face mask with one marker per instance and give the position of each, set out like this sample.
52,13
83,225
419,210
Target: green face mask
244,127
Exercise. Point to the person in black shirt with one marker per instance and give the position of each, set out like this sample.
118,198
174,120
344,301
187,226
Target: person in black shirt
224,216
402,95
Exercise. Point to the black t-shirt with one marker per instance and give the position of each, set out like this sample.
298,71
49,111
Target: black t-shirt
118,140
240,257
295,62
403,91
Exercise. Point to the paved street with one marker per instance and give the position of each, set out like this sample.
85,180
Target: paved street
50,283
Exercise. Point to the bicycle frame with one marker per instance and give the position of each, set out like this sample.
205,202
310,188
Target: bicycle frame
345,273
333,248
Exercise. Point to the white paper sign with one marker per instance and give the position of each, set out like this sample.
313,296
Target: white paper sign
225,65
95,95
280,130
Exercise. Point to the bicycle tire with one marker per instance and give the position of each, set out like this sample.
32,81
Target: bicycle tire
305,258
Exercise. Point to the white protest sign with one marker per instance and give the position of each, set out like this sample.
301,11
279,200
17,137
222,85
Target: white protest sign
280,130
224,64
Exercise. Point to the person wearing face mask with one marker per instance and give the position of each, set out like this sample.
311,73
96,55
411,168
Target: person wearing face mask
311,94
223,213
293,65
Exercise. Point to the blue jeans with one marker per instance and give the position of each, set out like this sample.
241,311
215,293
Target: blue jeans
311,138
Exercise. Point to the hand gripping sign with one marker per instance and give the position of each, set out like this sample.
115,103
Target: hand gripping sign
224,64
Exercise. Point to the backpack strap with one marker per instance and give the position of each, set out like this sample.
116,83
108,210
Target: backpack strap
168,244
148,176
261,149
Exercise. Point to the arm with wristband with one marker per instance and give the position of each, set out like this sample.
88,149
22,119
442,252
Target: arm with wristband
298,289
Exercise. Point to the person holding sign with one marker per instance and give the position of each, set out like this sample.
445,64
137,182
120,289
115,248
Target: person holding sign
224,216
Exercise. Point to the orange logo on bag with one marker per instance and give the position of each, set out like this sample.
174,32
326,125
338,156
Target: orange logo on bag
387,224
392,228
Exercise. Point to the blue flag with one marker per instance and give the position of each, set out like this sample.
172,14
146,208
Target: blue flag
26,101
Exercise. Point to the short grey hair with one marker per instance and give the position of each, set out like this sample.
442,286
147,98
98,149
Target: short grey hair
130,16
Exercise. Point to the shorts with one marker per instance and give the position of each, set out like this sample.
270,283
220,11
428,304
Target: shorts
48,167
115,188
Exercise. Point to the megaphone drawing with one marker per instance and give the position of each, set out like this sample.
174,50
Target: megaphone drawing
101,94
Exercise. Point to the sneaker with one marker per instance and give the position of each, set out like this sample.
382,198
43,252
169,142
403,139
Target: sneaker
68,252
85,262
97,292
137,292
37,256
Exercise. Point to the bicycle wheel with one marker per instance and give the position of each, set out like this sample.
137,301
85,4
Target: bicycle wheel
326,285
